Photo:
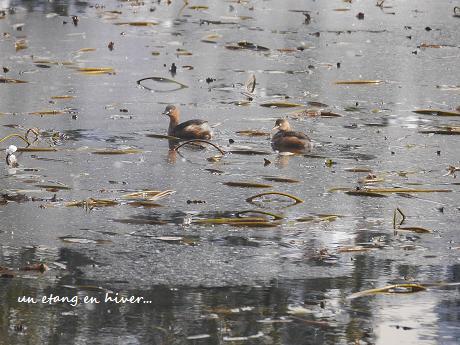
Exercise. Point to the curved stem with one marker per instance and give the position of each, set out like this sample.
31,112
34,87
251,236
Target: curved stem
34,131
275,216
199,141
296,199
15,135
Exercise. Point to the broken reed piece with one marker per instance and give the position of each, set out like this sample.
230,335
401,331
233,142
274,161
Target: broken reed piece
199,141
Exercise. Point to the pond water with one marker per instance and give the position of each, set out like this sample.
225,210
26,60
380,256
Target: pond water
288,279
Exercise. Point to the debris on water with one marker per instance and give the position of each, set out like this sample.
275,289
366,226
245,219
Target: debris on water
358,82
39,267
247,184
416,229
96,70
21,44
173,69
211,38
151,23
121,151
294,198
280,105
81,240
11,81
196,202
150,195
253,133
396,288
162,80
437,112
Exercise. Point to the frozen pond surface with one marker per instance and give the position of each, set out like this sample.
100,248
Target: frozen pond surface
285,281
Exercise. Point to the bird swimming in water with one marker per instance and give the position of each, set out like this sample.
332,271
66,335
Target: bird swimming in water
192,129
288,140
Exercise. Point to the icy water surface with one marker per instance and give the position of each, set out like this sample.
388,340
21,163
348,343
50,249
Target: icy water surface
290,277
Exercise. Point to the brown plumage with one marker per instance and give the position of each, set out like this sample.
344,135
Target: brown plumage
288,140
192,129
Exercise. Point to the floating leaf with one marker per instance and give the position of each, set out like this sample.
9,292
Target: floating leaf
63,97
150,23
150,195
198,7
47,112
396,288
253,133
37,149
443,131
437,112
275,216
287,50
198,336
249,152
296,199
183,52
353,249
85,50
427,45
365,193
88,203
357,82
53,186
246,45
246,221
117,151
247,185
388,190
36,267
71,239
96,70
281,105
50,62
212,38
416,229
11,81
162,136
280,179
144,203
358,169
161,80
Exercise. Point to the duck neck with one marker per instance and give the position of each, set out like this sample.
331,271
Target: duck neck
173,122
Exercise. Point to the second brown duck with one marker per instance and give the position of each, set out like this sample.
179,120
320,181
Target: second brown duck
287,140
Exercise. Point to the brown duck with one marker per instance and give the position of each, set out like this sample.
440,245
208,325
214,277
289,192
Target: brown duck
192,129
288,140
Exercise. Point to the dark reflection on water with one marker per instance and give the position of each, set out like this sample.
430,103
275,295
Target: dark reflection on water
61,7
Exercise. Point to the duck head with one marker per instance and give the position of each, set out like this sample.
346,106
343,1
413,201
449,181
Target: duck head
282,125
171,111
